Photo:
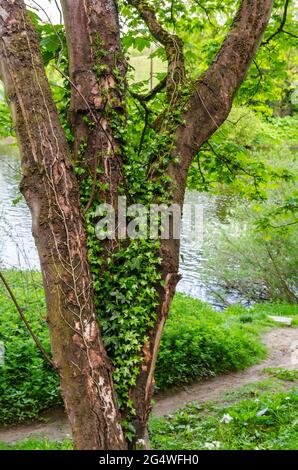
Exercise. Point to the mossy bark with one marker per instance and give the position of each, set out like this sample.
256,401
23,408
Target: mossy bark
51,191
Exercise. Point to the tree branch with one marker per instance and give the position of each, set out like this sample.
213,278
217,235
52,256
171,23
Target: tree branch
149,96
20,311
93,39
143,99
280,29
60,11
148,15
173,46
213,92
97,70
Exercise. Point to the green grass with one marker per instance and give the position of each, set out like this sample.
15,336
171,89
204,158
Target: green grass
267,422
289,375
197,343
259,416
257,315
38,444
253,390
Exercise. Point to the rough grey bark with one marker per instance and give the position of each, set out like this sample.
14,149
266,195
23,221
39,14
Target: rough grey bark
97,70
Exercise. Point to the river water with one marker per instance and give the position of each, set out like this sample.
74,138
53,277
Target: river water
202,214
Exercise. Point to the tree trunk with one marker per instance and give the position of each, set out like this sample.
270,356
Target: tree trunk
97,71
51,191
209,105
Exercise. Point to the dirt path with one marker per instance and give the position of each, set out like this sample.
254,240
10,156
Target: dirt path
278,340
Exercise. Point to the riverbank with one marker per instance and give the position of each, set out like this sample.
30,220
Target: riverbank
198,343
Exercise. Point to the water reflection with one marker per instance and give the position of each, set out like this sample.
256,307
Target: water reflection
17,247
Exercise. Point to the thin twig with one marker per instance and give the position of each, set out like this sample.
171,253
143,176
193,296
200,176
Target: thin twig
20,311
147,97
200,170
206,10
91,198
60,11
280,29
144,128
53,26
249,101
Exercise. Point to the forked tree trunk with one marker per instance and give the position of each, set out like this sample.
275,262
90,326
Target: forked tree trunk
51,188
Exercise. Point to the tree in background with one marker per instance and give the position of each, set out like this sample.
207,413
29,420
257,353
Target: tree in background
107,301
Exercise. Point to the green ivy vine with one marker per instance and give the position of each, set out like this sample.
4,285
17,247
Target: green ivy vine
126,278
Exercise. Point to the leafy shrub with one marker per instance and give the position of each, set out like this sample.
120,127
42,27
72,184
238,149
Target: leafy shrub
254,256
199,342
28,383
